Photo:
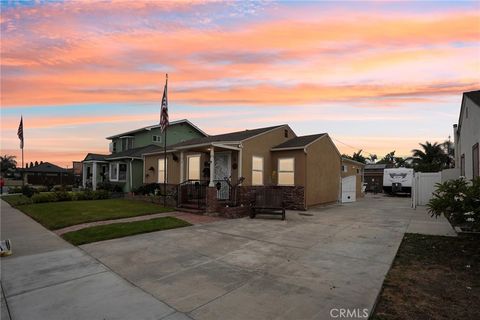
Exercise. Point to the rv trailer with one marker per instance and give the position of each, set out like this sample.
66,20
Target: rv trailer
397,180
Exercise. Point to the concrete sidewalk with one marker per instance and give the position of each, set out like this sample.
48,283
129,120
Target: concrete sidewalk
47,278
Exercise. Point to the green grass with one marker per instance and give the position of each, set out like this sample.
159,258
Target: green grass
119,230
16,199
57,215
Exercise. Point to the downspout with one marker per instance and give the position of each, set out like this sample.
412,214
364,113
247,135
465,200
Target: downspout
131,175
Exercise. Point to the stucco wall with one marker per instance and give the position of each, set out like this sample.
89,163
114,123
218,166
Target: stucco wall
352,171
323,172
469,136
260,146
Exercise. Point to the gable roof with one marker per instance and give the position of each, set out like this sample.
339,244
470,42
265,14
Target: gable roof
237,136
298,142
474,96
46,167
148,128
353,161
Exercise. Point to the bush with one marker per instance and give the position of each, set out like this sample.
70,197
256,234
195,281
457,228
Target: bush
150,188
101,194
14,189
459,201
44,197
40,189
63,195
108,186
28,191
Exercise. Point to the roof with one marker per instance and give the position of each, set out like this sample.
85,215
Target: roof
46,167
95,157
237,136
354,161
298,142
172,123
375,166
132,153
474,96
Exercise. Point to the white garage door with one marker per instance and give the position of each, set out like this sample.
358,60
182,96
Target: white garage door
349,185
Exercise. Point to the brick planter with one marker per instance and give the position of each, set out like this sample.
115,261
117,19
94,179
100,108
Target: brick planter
293,196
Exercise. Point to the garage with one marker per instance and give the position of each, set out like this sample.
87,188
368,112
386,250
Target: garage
349,189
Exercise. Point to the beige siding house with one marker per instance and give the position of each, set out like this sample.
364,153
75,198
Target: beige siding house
352,168
306,168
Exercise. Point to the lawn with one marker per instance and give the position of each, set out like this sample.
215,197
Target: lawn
432,277
118,230
57,215
16,199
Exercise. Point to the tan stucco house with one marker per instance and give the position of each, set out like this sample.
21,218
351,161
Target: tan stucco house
307,168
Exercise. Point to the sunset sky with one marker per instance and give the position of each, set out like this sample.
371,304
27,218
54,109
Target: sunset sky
377,76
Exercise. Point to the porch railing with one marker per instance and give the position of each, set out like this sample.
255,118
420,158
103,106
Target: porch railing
192,193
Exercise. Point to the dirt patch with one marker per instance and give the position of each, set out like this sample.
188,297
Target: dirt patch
433,277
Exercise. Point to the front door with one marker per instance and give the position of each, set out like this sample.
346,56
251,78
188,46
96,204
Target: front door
222,171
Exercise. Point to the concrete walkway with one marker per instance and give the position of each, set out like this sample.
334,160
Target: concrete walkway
46,278
189,217
329,257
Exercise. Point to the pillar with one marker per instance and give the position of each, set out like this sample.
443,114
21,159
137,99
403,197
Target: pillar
212,166
182,170
94,176
84,175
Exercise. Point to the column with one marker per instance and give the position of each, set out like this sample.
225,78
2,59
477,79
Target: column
212,166
240,163
182,170
94,176
84,174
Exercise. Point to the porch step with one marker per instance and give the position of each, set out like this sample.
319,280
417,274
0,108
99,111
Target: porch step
190,210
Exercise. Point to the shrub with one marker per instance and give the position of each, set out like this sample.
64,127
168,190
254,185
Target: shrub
41,188
44,197
63,196
459,201
150,188
101,194
108,186
14,189
28,191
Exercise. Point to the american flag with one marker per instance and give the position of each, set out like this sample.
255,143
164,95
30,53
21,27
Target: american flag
164,111
20,132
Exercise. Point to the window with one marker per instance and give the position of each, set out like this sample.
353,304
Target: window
358,171
257,171
475,160
118,171
193,164
127,143
161,170
462,165
344,168
285,133
157,139
114,171
114,149
286,172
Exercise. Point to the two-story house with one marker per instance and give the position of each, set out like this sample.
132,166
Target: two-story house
124,165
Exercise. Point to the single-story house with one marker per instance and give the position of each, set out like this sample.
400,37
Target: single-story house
467,136
124,165
352,180
48,174
307,168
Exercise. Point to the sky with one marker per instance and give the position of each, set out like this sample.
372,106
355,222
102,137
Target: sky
378,76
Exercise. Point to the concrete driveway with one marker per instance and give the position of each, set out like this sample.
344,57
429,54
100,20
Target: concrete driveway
301,268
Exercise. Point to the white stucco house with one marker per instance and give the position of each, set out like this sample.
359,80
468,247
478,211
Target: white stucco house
467,136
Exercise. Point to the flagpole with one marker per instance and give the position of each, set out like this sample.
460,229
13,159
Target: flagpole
165,153
23,171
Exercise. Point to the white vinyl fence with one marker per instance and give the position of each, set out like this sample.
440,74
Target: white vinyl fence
424,186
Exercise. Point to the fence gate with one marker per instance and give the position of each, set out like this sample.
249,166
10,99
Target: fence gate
424,186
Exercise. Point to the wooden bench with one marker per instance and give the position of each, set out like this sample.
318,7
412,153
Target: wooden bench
268,201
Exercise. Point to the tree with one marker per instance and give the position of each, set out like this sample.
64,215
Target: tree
430,158
36,163
8,163
372,158
357,156
391,159
449,150
31,164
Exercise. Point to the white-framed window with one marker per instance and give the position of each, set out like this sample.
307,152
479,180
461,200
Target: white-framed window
344,168
156,138
286,171
161,170
257,171
118,171
127,143
193,167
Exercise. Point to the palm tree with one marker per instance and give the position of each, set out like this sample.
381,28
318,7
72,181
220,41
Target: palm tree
7,163
431,158
357,156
